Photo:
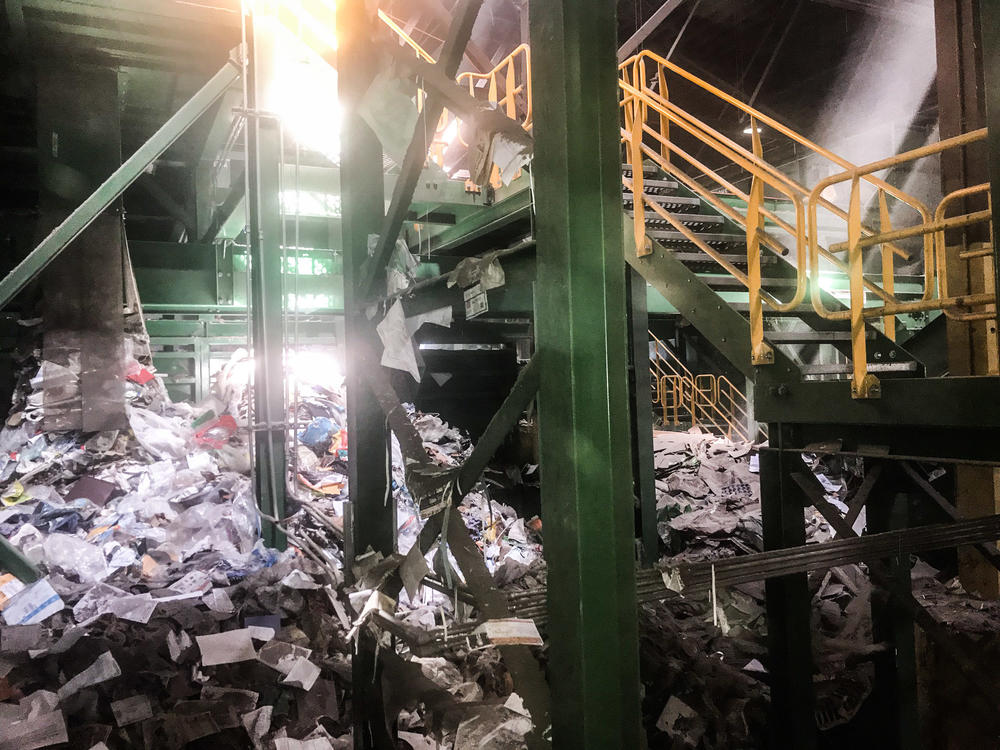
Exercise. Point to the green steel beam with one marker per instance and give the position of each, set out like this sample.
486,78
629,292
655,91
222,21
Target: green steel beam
12,560
587,501
504,420
373,520
416,154
29,268
918,402
726,329
641,408
266,288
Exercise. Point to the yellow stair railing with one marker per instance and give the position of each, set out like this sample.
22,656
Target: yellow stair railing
706,400
648,115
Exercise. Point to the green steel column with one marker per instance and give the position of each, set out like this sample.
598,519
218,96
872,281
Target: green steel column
989,18
587,500
641,406
789,651
373,520
266,284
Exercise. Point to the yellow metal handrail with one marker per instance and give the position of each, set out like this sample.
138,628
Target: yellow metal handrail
710,401
935,297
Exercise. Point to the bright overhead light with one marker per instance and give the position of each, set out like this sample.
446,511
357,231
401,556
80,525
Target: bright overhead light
748,130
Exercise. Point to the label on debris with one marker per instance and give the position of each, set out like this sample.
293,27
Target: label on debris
475,301
131,710
9,586
34,604
195,581
511,632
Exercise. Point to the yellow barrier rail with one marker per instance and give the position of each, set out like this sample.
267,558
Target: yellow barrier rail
709,401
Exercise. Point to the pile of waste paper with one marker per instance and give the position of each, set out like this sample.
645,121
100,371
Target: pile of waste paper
162,620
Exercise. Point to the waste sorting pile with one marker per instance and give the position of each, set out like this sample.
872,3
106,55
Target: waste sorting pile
162,620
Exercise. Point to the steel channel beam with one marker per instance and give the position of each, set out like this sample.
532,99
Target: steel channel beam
57,240
373,520
416,153
918,402
641,413
789,648
267,290
587,503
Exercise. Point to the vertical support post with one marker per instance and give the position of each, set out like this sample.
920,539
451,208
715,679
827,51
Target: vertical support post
760,351
266,283
586,485
863,383
792,722
989,17
895,670
888,264
373,520
967,52
642,418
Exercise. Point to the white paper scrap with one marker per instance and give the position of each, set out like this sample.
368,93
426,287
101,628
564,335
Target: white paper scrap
398,352
43,730
511,632
178,643
260,633
226,648
287,743
131,710
36,603
195,581
303,674
298,579
218,600
516,704
103,669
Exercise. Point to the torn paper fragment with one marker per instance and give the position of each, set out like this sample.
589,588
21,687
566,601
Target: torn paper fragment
399,352
259,633
680,722
303,674
298,579
257,723
241,700
226,648
131,710
43,730
287,743
9,586
672,579
19,638
103,669
511,631
516,704
34,604
178,643
218,600
196,581
413,570
282,656
475,301
418,741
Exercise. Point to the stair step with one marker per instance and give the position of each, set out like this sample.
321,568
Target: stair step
646,169
709,237
847,368
698,222
731,282
677,200
698,258
810,337
656,186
